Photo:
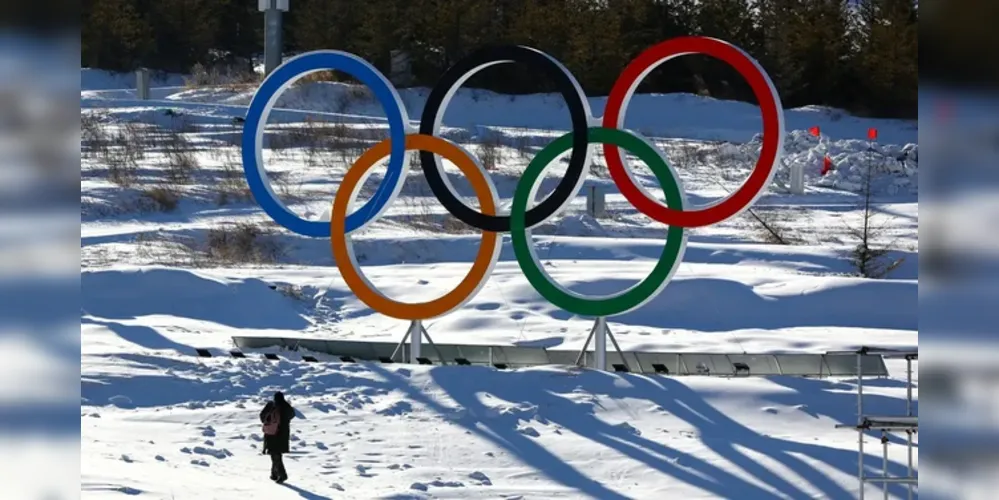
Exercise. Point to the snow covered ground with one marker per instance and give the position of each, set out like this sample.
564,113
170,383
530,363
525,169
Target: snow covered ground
160,194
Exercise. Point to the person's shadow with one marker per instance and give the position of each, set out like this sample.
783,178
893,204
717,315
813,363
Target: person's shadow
308,495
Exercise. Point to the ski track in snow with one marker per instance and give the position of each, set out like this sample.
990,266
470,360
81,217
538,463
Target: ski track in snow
158,422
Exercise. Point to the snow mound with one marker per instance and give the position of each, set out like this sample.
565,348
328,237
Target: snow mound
894,167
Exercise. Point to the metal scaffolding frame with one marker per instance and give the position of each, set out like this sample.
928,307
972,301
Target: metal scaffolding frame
909,423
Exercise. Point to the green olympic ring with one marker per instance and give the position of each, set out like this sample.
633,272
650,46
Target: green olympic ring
628,299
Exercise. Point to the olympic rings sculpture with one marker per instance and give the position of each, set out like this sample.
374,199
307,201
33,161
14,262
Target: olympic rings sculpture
586,130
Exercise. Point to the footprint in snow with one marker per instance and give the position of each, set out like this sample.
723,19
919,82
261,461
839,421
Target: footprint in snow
529,431
481,478
447,484
214,452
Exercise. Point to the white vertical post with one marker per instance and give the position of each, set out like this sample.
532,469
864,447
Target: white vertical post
600,345
415,340
595,202
142,83
797,179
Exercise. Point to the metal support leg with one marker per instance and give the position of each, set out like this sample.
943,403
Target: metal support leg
432,344
908,433
415,341
399,347
884,462
619,351
415,334
908,412
600,345
586,345
860,422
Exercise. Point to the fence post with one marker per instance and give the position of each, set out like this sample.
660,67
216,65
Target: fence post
142,83
595,202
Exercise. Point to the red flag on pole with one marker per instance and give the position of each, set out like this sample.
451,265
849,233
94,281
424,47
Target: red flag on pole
827,165
815,131
872,134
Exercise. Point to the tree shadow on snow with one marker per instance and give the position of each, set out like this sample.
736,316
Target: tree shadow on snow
717,431
837,400
142,336
245,303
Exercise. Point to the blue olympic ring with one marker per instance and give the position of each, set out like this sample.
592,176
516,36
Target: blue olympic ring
260,108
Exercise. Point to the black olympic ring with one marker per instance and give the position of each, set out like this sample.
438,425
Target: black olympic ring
579,113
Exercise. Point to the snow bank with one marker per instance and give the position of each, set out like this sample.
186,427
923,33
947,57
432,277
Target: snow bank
238,303
894,167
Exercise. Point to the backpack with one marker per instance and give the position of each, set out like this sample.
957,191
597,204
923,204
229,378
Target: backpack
271,421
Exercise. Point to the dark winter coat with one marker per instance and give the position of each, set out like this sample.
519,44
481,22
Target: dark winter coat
279,443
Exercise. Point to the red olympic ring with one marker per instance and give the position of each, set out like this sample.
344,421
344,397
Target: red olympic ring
773,130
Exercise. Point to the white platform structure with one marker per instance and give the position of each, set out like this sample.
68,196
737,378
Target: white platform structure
908,423
412,350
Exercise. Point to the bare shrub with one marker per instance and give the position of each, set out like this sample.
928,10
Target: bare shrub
490,152
122,169
243,243
771,225
353,95
230,184
230,77
421,213
160,199
523,144
181,159
162,247
122,154
94,137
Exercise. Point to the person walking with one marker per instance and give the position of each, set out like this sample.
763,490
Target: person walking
276,419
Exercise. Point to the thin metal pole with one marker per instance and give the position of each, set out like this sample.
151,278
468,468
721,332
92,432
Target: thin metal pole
618,348
432,344
908,433
586,345
600,344
401,344
860,421
908,412
908,386
272,38
415,340
884,461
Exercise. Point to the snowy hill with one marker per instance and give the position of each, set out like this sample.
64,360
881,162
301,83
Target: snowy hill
164,272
